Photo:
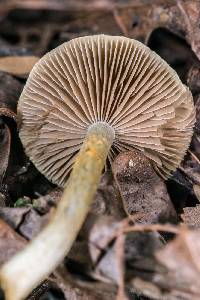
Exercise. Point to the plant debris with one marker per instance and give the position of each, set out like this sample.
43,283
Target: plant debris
10,242
18,65
138,184
141,237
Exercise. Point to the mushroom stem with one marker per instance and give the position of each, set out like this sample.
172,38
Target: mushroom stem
28,268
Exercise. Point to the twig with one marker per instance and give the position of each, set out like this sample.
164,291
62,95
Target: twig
153,227
194,156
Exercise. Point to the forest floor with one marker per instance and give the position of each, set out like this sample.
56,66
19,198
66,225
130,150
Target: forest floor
141,239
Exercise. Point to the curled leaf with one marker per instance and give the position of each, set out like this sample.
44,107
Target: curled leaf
139,184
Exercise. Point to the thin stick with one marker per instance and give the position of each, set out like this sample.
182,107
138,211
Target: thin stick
153,227
28,268
194,156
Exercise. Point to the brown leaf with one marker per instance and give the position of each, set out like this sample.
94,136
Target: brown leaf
10,90
191,13
173,273
191,168
108,269
32,224
108,200
18,65
102,233
10,242
74,289
5,141
193,78
142,190
152,291
191,216
13,216
55,5
181,257
109,260
26,220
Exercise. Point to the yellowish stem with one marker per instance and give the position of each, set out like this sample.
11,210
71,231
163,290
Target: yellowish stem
20,275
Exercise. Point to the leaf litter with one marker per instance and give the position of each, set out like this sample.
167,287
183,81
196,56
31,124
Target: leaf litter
141,237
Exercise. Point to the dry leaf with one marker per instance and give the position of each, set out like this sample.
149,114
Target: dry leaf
109,260
10,90
108,268
139,184
58,5
175,272
193,78
32,224
13,216
18,65
26,220
190,11
75,289
102,204
196,189
181,257
5,141
152,291
191,216
104,230
10,242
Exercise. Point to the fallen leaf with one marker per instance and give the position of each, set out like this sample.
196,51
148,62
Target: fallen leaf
74,289
27,221
193,78
18,65
13,216
139,184
102,204
32,224
5,142
191,216
191,168
102,233
10,90
181,258
10,242
152,291
55,5
191,13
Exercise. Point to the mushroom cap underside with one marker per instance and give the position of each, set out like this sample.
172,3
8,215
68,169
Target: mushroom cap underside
109,79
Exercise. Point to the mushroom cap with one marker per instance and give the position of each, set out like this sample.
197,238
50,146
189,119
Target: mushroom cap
104,79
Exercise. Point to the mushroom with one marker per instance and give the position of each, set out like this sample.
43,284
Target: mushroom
100,95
